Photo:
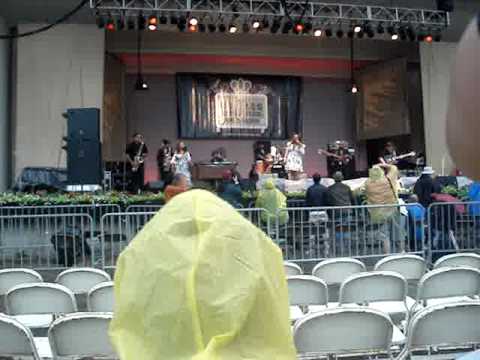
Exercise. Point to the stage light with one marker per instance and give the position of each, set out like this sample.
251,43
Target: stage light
328,32
140,84
246,28
393,33
357,29
232,29
110,25
395,37
299,28
141,22
429,38
192,28
256,25
222,28
287,27
317,32
152,23
212,27
340,33
380,29
193,21
354,89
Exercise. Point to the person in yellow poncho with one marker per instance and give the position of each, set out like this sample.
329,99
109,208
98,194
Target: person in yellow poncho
273,201
201,282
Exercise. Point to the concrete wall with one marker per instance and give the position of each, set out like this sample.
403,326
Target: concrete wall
57,69
4,107
436,63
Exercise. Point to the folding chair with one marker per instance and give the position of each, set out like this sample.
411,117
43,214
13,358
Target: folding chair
100,298
15,339
35,304
335,271
449,327
385,291
81,280
461,259
306,293
81,335
336,332
292,269
13,277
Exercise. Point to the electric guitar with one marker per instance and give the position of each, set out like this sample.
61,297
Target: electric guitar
345,158
394,159
138,160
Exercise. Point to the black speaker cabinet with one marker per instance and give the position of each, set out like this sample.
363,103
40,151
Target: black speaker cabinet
445,5
84,159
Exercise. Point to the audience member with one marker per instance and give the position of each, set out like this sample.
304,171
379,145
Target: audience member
474,195
229,191
426,186
201,282
272,200
317,193
416,218
179,185
339,194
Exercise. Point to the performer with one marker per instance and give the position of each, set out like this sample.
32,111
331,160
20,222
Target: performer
136,153
182,162
260,157
388,154
294,157
164,158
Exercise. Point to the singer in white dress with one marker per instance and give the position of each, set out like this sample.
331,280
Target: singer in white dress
294,155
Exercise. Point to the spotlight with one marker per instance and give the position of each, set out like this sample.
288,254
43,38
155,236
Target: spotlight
140,84
141,22
232,29
212,27
317,32
100,22
354,88
380,29
340,33
110,25
393,33
192,28
299,28
395,37
357,29
287,27
163,20
202,27
222,28
152,23
246,28
328,32
193,21
256,25
429,38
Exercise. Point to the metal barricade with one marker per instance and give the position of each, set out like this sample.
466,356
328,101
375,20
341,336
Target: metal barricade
47,241
143,208
258,217
453,227
311,234
117,230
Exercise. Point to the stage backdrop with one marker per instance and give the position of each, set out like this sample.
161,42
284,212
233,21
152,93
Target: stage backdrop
382,109
237,106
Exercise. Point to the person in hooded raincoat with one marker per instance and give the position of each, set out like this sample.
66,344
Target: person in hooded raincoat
273,201
200,282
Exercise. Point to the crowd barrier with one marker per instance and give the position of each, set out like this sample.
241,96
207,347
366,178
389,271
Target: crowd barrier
64,236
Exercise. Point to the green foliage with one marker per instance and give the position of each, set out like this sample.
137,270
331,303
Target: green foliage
460,193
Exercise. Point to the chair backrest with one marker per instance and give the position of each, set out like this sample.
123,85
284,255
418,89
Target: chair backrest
13,277
411,267
16,339
292,269
448,282
461,259
336,331
100,298
373,286
307,290
81,335
40,298
81,280
335,271
451,324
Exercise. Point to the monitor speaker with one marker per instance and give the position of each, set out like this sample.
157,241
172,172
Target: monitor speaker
445,5
84,161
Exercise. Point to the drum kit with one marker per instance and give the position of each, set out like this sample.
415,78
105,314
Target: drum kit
273,163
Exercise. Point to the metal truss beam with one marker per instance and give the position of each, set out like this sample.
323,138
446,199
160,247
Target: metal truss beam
315,11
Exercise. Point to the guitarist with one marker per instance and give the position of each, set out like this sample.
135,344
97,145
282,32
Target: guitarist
388,154
136,152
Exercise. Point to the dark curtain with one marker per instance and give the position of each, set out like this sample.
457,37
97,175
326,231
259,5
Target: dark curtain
196,101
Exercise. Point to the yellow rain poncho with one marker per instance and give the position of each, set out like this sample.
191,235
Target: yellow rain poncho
200,282
272,200
382,189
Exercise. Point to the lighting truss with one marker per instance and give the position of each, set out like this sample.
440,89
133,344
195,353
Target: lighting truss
319,12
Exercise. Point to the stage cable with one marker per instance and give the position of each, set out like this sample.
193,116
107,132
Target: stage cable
49,26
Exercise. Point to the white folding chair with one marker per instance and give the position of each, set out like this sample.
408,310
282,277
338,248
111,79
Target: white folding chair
292,269
100,298
15,339
343,331
446,326
35,304
12,277
444,285
411,267
385,291
335,271
461,259
81,280
306,293
81,335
